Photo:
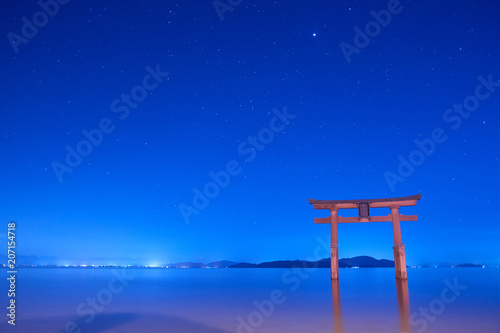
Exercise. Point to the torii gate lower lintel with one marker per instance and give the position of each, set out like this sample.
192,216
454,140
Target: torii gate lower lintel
363,206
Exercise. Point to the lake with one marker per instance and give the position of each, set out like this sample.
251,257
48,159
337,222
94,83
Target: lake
54,300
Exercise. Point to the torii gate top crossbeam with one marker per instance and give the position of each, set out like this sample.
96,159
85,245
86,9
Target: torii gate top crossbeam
363,206
373,203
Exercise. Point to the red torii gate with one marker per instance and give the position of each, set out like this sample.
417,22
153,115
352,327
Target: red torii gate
363,206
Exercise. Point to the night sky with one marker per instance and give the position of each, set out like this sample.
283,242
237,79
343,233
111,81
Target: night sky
281,101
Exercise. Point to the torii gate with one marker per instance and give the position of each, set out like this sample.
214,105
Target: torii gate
363,206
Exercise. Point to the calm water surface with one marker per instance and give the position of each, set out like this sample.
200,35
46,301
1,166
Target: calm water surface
253,300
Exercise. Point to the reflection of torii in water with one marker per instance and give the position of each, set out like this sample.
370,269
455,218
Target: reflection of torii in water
403,306
363,206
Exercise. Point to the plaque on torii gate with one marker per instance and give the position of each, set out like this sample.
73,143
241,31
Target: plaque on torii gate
363,206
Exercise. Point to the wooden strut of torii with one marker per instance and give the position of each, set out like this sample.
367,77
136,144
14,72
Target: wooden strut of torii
363,206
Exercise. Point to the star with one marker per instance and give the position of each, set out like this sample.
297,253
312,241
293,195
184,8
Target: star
314,34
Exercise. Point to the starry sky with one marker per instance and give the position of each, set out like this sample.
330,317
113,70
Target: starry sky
152,132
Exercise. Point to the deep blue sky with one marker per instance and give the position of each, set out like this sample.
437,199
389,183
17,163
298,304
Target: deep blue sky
353,120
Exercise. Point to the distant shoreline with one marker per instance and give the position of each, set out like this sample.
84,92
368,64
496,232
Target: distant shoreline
177,268
354,262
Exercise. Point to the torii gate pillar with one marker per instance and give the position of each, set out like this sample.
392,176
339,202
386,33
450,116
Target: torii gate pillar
334,243
399,247
363,207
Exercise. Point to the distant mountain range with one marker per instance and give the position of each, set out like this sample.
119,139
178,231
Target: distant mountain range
360,261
